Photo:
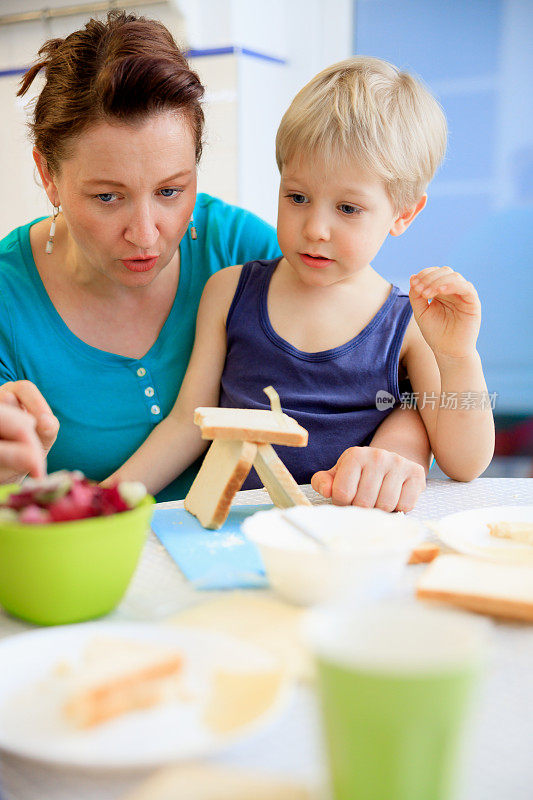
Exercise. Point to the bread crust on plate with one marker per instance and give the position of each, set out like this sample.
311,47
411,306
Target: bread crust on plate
516,531
117,676
424,553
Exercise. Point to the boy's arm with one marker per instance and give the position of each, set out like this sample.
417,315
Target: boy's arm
176,442
403,432
445,371
390,474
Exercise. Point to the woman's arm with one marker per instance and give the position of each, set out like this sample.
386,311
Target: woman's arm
390,474
445,371
176,442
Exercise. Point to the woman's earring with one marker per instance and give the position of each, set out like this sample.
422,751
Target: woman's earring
50,243
192,229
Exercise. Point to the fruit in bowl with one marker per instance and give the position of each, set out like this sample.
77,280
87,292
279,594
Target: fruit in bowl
65,496
69,547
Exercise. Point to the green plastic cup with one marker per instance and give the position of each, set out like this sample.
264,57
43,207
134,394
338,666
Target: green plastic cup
70,571
395,683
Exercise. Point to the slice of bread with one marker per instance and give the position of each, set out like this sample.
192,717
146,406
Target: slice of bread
220,477
116,676
502,590
250,425
277,480
517,531
423,553
237,698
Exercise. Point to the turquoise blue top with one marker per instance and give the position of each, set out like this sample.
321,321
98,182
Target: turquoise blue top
107,404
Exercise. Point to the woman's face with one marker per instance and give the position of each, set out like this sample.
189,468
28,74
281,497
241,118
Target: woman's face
127,192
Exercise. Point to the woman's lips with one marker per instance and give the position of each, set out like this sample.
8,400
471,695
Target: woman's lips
140,264
315,261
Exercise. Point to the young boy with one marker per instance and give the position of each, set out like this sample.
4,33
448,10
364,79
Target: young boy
356,150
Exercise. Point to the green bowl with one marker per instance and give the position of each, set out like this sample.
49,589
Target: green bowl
70,571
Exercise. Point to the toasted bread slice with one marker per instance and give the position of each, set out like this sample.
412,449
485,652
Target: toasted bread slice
221,475
501,590
277,480
250,425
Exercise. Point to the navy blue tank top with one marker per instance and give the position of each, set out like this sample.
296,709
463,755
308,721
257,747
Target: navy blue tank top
331,393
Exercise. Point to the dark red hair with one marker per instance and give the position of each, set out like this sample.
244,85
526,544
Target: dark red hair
123,69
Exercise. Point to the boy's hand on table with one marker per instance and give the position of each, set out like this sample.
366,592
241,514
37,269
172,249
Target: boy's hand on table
450,322
372,478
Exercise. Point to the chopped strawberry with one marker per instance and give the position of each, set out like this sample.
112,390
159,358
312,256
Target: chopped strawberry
110,501
34,515
20,500
67,509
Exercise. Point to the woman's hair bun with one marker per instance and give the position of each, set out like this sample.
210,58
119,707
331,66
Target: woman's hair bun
125,67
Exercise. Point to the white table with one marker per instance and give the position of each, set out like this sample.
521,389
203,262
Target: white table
500,761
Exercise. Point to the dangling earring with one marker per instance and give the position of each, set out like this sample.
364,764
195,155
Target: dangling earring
192,229
50,243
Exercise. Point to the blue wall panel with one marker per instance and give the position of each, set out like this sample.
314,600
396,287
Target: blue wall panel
476,57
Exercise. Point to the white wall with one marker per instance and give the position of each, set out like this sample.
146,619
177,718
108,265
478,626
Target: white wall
22,197
310,34
245,97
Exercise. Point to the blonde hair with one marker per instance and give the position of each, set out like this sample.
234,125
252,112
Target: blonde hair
366,110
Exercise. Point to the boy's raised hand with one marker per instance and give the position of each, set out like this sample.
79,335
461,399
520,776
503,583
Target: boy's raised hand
450,322
372,478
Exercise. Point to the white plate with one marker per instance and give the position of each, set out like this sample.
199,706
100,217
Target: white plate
467,532
31,723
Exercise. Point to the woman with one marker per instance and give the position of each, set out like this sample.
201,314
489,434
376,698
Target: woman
99,303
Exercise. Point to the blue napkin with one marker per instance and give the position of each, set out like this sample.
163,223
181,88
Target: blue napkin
222,559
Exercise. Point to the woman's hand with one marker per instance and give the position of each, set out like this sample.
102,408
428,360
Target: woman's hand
372,478
24,396
450,322
20,449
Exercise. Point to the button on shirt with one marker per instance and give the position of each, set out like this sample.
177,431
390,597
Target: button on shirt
149,391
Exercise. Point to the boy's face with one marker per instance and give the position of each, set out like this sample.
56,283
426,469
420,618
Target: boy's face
331,220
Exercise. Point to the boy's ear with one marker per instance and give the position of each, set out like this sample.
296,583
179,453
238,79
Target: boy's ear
402,222
46,177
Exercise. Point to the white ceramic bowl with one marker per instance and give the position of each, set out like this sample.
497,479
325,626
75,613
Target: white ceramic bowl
367,550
